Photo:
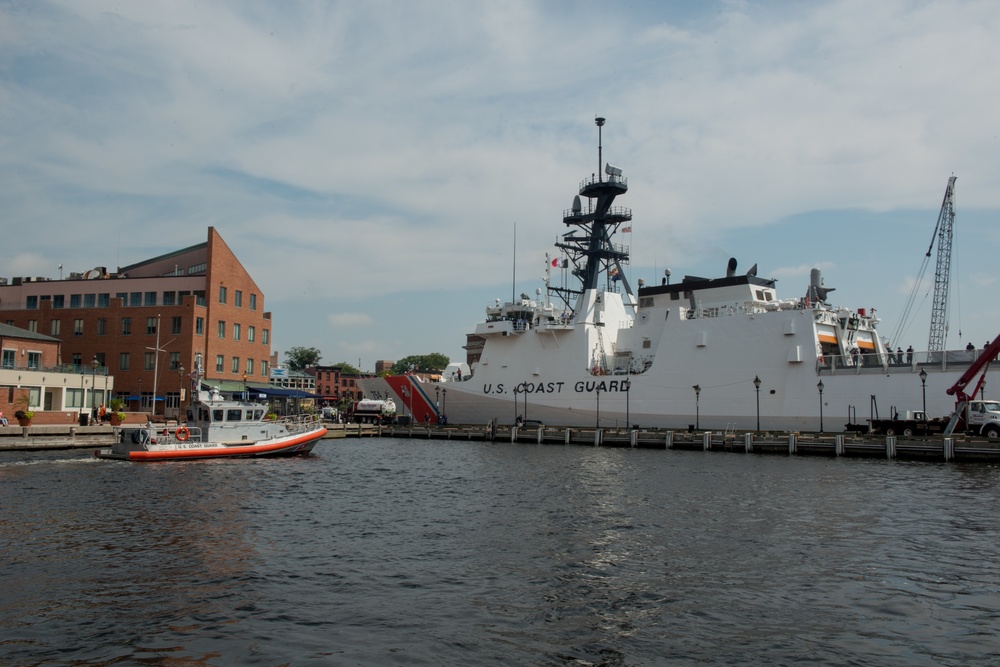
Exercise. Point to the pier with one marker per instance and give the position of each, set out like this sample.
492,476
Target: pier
65,436
932,448
960,448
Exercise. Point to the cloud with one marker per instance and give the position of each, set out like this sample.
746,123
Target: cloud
351,152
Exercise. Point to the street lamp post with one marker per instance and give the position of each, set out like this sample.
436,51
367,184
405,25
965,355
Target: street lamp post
598,425
444,402
246,396
819,386
697,407
628,418
180,393
923,389
756,385
93,385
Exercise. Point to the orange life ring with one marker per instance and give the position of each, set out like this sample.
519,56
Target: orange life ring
182,433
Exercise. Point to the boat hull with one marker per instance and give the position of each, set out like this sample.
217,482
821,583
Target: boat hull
788,399
297,444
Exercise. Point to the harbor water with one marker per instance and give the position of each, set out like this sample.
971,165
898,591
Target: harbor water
400,552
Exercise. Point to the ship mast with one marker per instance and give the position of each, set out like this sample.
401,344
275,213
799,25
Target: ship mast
589,247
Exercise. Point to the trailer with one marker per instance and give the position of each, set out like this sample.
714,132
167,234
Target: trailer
370,411
908,423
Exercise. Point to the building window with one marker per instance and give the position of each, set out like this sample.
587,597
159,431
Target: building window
222,294
251,334
9,356
220,362
168,298
253,302
236,365
222,329
89,300
100,358
150,325
58,301
263,367
123,360
249,366
75,300
103,300
77,359
34,361
102,326
236,331
54,326
264,336
135,298
238,298
199,326
78,327
33,326
148,360
150,299
197,268
175,360
74,398
126,326
31,303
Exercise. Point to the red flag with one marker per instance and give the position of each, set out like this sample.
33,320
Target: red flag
555,262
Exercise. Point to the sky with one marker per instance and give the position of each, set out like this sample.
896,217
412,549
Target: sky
385,170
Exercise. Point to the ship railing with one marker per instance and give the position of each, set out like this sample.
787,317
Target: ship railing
160,436
909,362
300,422
596,179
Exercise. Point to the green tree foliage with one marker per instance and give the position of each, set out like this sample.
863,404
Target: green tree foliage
298,358
421,362
347,369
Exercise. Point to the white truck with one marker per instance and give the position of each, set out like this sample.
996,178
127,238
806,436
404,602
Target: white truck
977,417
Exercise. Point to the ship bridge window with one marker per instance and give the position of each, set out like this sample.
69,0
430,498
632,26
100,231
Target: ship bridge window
646,302
234,415
760,295
646,344
217,415
257,414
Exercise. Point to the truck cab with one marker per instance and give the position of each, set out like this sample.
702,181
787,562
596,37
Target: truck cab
983,417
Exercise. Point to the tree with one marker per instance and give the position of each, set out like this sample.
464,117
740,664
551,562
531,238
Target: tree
421,362
299,358
347,369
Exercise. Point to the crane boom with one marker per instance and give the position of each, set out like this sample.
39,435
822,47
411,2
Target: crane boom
980,363
942,274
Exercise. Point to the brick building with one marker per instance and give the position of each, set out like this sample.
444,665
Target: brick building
145,322
32,378
333,384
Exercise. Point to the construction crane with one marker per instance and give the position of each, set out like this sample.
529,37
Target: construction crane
942,274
